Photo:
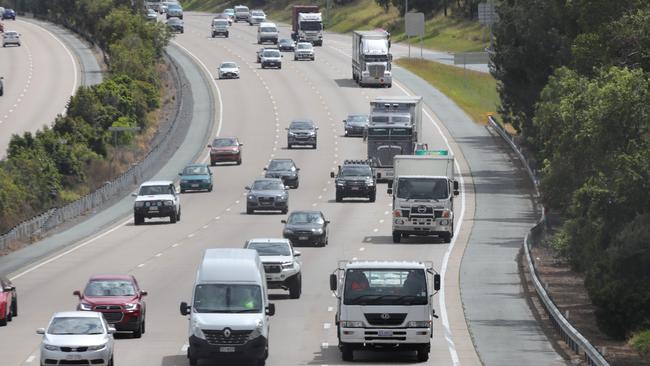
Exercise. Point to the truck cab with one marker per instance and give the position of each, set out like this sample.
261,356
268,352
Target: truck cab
384,305
371,59
307,24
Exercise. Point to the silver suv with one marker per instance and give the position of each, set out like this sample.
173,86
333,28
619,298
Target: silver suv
304,51
271,57
280,264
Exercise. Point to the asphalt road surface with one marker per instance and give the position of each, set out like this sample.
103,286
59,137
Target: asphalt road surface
164,256
39,78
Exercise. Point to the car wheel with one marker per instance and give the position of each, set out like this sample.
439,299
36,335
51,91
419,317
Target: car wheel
178,217
210,189
138,219
297,184
295,58
9,317
172,218
213,35
397,236
372,197
138,332
193,360
339,197
314,147
289,146
284,211
295,287
144,324
3,321
14,307
226,35
111,362
182,190
249,211
279,67
239,162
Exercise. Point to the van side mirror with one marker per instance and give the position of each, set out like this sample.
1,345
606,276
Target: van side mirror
455,188
40,331
185,309
283,221
331,174
389,190
436,281
270,310
77,293
333,282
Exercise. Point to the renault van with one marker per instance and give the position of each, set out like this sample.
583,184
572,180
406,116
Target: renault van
267,32
229,313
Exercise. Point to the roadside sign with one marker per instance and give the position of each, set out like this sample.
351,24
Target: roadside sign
414,24
469,58
487,14
432,152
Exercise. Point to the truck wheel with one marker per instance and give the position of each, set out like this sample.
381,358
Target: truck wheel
423,354
446,237
339,197
295,287
397,236
372,197
347,353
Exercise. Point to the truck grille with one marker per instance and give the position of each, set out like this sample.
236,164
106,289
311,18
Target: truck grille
217,337
374,336
376,71
393,319
272,268
421,210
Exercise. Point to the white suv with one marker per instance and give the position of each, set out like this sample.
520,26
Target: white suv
157,199
304,51
10,37
280,264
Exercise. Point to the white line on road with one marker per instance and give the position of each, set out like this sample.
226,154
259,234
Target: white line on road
30,359
326,325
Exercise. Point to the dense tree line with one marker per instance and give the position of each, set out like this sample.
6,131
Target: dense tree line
52,166
466,8
574,80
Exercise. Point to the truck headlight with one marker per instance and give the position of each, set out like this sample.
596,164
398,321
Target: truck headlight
351,324
444,222
419,324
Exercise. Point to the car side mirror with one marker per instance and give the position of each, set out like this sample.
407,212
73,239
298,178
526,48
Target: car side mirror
134,195
247,188
436,282
333,282
184,308
240,145
209,145
327,222
286,128
265,168
77,293
345,121
297,169
389,191
283,221
297,254
144,293
316,128
40,331
181,173
270,310
111,329
331,174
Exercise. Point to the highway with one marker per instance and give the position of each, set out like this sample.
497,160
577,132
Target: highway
164,257
39,78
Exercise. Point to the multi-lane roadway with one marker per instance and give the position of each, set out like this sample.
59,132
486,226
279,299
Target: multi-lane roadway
164,257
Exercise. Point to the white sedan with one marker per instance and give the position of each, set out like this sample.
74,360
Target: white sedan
228,70
77,337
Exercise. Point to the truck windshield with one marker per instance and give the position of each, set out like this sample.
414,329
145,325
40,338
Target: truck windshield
375,58
311,26
385,287
227,298
422,188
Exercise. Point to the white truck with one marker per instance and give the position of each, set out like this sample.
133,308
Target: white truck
385,305
423,190
307,24
371,58
394,128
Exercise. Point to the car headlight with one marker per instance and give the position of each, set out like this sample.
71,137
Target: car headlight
184,181
251,198
50,347
282,198
292,134
419,324
317,231
287,265
84,306
340,183
131,306
96,348
287,232
139,204
370,182
351,324
168,203
206,181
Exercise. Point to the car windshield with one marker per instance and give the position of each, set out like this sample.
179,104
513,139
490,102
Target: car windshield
281,165
422,188
385,287
358,119
270,249
271,53
227,298
362,170
76,325
241,9
229,11
196,170
305,46
268,29
109,288
285,41
300,125
267,185
224,142
153,190
305,218
228,65
11,34
173,7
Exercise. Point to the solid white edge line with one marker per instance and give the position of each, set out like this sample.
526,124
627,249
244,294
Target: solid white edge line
214,83
445,260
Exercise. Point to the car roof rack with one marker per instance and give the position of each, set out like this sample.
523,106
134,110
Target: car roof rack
356,162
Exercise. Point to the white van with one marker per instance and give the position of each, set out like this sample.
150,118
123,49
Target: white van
230,310
267,32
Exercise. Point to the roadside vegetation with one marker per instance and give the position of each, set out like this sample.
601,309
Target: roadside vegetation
457,31
574,80
474,92
57,164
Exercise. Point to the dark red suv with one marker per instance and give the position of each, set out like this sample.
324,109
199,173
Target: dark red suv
119,298
8,301
225,149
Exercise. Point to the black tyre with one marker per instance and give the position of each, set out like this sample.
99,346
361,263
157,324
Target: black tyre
9,316
314,147
210,189
138,219
372,197
295,287
339,197
3,322
423,354
347,353
239,162
178,217
182,190
14,307
144,326
284,212
289,146
227,34
173,218
193,360
446,237
213,35
297,184
397,236
249,211
138,332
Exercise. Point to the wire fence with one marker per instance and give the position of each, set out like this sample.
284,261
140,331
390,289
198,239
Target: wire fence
576,341
40,225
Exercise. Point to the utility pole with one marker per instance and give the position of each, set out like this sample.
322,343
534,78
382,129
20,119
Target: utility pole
408,38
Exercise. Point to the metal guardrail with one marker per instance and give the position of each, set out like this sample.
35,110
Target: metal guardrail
36,227
576,341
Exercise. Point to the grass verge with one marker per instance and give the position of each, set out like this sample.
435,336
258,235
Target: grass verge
474,92
641,342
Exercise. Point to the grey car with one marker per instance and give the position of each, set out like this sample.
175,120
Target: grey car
306,227
302,132
284,169
267,194
355,124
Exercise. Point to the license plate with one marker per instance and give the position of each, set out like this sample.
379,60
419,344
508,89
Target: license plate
354,188
268,278
194,185
153,208
73,357
385,333
303,238
227,349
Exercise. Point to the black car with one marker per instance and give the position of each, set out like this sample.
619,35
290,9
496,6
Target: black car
355,124
176,25
286,44
355,179
302,132
306,227
267,194
284,169
9,14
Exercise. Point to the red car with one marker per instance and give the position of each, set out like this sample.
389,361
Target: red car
8,301
119,298
225,149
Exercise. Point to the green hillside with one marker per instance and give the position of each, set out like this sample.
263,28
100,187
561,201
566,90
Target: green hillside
442,33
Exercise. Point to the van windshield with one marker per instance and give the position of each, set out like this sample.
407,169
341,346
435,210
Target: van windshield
227,298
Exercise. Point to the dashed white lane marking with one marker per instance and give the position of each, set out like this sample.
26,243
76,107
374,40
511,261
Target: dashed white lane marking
354,258
140,265
324,345
175,245
158,254
375,230
362,249
218,217
330,309
228,209
205,226
30,359
381,221
386,212
314,204
326,325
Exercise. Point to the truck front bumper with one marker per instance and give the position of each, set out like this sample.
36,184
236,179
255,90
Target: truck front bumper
421,226
379,81
364,337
